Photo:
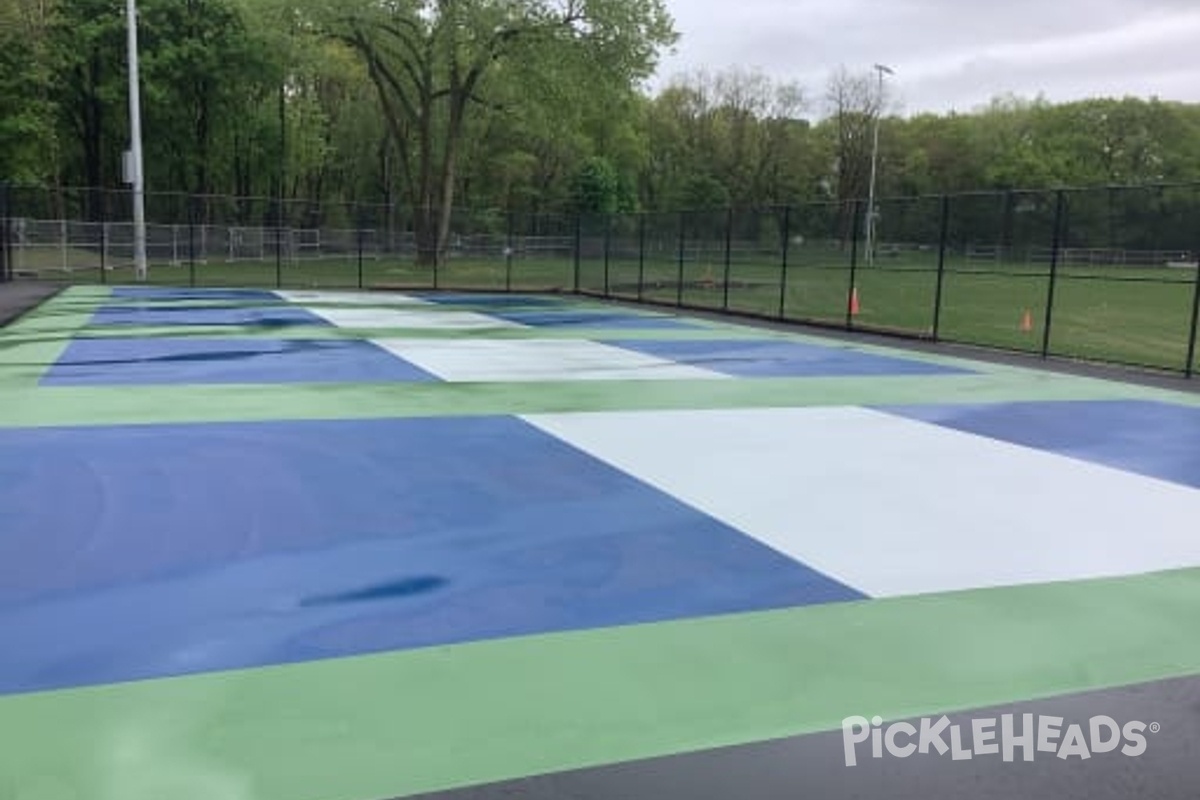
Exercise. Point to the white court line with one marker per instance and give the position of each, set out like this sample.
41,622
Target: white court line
411,319
896,507
384,299
525,360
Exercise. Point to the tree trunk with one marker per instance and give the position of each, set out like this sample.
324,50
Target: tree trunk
93,128
449,168
425,221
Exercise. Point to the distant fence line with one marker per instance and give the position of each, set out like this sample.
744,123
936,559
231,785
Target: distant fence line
1104,274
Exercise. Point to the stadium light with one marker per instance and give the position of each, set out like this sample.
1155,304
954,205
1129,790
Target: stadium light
871,216
136,175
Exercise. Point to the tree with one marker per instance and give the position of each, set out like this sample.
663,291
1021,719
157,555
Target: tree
86,53
598,188
735,128
431,62
524,106
200,70
27,130
854,103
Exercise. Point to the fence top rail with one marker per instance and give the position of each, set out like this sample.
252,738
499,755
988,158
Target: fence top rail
765,208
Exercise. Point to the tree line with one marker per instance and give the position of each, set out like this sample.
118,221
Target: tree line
528,106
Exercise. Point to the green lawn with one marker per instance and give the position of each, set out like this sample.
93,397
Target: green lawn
335,273
1121,314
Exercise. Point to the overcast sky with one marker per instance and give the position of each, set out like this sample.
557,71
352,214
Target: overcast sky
952,54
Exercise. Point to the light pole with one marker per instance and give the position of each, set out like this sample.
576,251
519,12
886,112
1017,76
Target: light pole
136,177
882,70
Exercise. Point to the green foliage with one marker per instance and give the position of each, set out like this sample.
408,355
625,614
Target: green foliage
736,137
201,68
703,192
85,52
597,186
26,113
507,105
441,69
600,189
27,132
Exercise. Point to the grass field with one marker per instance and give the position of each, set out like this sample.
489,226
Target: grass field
1129,315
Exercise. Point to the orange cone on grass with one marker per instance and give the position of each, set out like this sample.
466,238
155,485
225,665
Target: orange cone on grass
1027,322
855,308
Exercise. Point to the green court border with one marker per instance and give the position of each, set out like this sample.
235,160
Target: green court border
439,718
30,347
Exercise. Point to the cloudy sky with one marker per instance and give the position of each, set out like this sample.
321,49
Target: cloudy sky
952,54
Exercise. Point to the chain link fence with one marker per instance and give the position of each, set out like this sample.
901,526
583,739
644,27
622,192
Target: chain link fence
1107,274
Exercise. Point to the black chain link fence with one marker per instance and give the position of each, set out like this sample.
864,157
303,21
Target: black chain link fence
1104,274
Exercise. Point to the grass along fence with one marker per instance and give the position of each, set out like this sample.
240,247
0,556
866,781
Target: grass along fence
1106,274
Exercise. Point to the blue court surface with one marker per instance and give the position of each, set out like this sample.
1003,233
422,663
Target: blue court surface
489,300
333,539
134,360
170,294
782,359
1159,440
593,319
201,360
150,316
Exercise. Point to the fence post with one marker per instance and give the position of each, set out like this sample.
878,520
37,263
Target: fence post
279,243
1190,368
191,205
1060,199
508,253
437,260
607,252
103,237
856,231
6,269
941,268
358,224
783,262
728,256
64,237
578,245
641,256
682,245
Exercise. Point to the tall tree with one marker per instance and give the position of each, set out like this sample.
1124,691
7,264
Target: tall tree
736,129
854,104
200,69
87,54
431,62
28,145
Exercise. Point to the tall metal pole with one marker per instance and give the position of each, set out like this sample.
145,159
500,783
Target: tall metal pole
881,69
135,146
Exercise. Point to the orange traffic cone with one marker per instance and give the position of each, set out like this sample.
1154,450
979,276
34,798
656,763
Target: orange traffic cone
1027,322
855,308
